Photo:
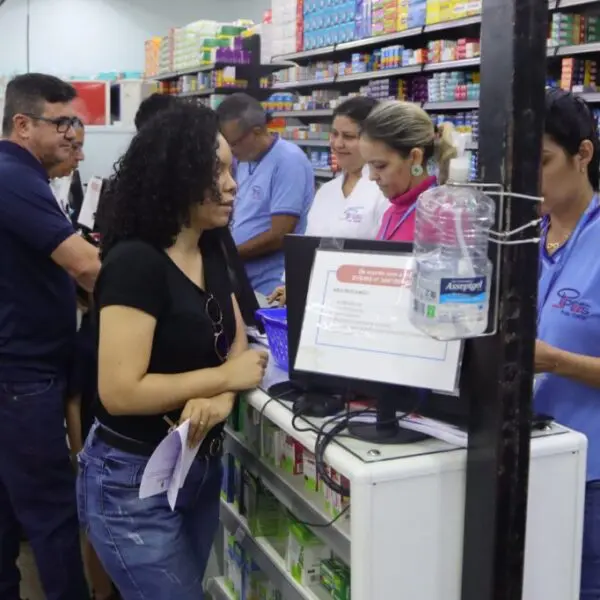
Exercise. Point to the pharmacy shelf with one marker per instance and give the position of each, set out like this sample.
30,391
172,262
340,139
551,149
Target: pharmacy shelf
299,114
590,97
310,143
560,4
214,67
312,83
451,105
211,91
452,64
410,33
266,557
291,493
184,72
377,40
383,73
219,590
590,48
324,173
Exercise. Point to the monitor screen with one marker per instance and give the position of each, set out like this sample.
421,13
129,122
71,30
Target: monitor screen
299,257
356,324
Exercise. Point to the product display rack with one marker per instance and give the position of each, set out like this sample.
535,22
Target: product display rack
349,83
218,590
402,535
253,72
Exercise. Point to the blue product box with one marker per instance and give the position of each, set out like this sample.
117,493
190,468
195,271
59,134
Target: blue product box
416,14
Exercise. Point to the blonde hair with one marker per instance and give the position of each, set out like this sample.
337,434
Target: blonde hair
404,126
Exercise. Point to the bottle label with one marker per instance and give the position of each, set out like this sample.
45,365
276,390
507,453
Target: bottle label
465,290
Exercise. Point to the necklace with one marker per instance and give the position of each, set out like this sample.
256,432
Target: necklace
552,247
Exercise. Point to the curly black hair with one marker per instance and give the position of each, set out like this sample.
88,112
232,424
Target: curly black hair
170,165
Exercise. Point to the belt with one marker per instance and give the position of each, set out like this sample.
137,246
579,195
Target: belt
211,446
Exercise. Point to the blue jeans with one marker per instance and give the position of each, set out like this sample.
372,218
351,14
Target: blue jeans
37,490
590,566
149,551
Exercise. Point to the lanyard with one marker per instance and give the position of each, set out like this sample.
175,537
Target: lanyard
399,224
557,267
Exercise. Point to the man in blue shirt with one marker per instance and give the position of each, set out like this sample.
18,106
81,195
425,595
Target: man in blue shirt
275,190
41,258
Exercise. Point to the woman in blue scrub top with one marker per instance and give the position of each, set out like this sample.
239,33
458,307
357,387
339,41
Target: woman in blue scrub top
567,357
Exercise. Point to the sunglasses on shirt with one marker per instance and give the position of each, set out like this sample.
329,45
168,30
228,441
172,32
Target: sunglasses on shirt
215,314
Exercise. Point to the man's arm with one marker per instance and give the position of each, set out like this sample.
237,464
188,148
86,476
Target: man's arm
270,241
30,212
79,259
287,204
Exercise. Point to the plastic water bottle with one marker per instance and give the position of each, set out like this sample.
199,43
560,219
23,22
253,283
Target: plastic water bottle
452,278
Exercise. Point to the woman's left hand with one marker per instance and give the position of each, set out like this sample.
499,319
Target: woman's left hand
546,357
204,414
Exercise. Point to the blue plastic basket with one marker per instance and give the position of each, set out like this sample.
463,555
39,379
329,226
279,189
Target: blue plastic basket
275,321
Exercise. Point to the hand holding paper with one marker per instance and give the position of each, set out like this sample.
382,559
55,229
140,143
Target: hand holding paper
169,465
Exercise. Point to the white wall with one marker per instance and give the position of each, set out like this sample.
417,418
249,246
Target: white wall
83,37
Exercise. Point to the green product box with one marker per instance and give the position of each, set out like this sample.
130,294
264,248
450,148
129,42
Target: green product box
309,467
304,555
270,434
266,517
238,486
290,455
267,591
335,578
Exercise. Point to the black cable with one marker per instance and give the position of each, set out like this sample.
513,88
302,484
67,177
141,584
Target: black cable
321,525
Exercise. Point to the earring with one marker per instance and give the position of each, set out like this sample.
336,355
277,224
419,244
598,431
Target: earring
416,170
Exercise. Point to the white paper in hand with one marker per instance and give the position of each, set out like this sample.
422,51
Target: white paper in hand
183,464
169,465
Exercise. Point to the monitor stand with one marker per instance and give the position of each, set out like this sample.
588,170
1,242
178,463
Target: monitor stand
308,403
386,429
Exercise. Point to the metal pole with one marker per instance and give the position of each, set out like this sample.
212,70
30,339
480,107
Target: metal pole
499,370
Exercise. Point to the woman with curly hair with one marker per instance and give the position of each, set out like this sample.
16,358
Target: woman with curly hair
172,347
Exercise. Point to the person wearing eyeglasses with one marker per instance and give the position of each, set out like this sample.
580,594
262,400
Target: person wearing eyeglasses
172,348
275,190
41,258
65,180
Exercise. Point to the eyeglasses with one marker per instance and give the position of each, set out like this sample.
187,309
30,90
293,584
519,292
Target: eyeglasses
62,124
215,314
241,138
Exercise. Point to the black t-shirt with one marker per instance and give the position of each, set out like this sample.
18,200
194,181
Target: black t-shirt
137,275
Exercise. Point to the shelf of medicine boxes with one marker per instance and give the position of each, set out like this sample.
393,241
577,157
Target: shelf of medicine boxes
408,33
211,91
218,589
268,559
556,51
349,538
264,69
382,73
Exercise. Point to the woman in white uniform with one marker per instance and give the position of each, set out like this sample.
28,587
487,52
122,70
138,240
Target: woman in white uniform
351,205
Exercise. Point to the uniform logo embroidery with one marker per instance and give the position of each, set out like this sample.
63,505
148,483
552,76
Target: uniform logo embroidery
570,304
256,192
353,214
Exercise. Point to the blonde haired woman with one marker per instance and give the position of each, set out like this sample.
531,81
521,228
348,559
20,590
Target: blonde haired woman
398,141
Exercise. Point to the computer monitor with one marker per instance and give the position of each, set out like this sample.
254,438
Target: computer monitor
299,255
